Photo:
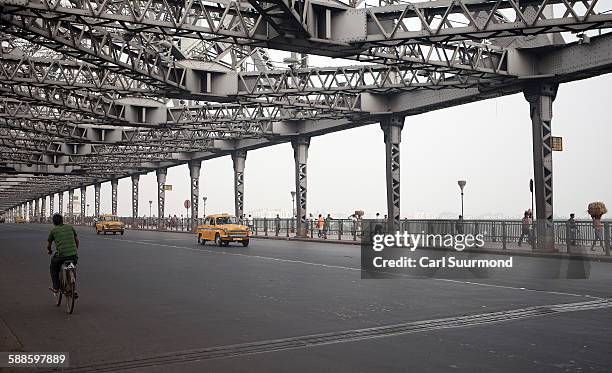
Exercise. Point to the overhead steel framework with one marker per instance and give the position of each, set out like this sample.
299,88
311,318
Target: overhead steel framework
94,91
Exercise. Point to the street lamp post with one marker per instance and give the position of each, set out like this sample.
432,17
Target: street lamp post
204,206
150,206
461,184
87,213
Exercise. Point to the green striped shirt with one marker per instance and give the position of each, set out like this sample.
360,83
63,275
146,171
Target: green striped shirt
63,235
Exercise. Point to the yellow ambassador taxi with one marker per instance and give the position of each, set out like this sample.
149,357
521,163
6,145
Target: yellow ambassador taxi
109,223
223,229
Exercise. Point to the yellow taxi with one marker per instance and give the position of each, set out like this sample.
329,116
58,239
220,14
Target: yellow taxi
19,219
223,229
109,223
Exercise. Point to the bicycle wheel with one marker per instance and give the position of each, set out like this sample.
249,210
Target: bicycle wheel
70,291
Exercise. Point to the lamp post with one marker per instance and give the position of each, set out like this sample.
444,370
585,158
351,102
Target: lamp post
87,212
461,184
204,206
150,206
293,202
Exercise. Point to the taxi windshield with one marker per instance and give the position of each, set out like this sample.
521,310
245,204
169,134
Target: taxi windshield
226,220
109,218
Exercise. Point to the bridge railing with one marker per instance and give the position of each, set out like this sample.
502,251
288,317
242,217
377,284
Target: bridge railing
496,233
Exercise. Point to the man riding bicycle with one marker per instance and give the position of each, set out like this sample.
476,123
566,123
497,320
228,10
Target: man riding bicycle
66,245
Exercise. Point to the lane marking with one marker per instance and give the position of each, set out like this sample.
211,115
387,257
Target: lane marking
353,268
343,336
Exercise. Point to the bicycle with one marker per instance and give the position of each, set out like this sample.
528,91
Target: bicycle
67,286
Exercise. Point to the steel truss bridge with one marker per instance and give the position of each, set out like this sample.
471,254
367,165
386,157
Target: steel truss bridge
93,91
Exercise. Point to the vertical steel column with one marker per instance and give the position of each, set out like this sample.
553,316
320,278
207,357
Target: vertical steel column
300,156
60,203
392,129
51,204
194,174
161,196
135,180
36,209
540,98
30,208
97,199
239,159
114,185
71,205
83,198
43,208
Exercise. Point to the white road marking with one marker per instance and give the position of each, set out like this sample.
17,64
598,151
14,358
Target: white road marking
353,268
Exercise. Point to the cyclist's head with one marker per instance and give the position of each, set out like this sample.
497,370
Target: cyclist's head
58,219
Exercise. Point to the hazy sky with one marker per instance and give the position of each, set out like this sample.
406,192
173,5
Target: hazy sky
487,143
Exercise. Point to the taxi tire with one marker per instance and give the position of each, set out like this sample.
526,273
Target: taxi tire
122,233
218,240
245,243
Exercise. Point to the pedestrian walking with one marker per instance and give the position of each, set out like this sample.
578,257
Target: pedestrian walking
326,225
598,228
525,228
320,224
572,229
277,223
459,225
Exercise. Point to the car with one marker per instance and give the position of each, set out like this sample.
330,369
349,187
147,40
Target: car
20,220
109,223
223,229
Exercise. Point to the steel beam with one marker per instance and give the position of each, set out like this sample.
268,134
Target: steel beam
161,196
97,199
114,185
540,98
239,159
43,208
71,205
392,128
60,203
51,204
194,175
135,180
83,202
300,146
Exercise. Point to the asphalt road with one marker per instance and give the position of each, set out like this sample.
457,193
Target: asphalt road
159,302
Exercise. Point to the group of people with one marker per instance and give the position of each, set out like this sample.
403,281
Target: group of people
572,230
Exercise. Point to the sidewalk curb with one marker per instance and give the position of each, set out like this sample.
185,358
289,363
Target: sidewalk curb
607,259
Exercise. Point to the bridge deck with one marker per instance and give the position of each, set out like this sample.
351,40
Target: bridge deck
156,301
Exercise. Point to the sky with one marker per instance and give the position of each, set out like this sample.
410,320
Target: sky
486,143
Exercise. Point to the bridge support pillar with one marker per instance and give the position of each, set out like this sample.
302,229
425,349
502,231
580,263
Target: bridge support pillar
51,204
60,203
135,180
392,128
239,160
71,205
83,200
540,98
114,184
97,199
194,174
36,209
43,208
300,155
161,196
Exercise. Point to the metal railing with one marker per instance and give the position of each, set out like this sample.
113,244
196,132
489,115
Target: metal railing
496,233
